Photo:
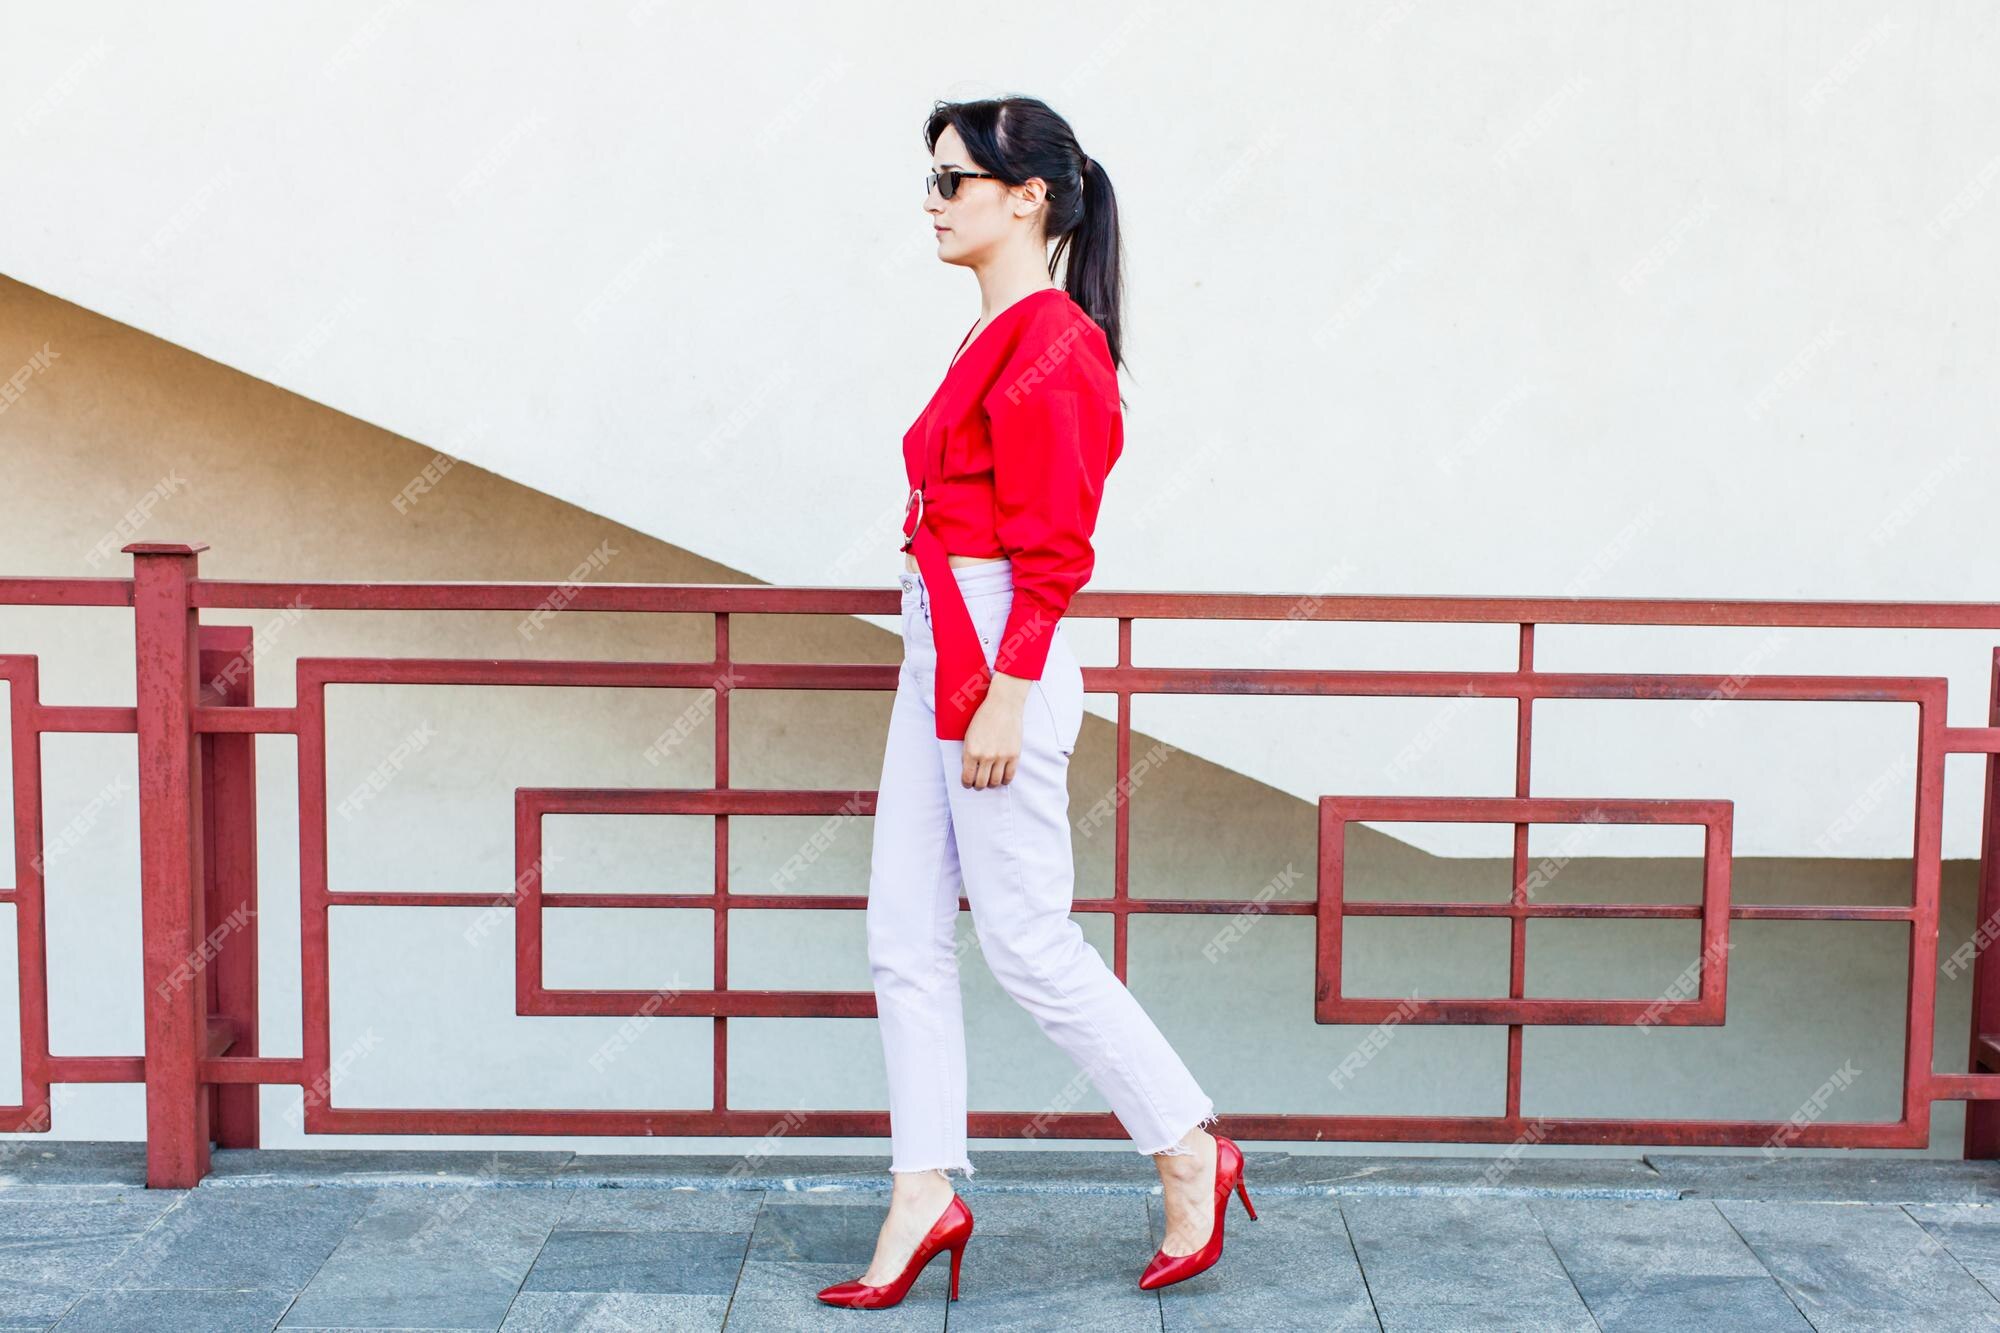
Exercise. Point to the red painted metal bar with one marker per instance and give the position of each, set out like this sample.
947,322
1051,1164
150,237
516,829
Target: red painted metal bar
65,592
71,718
1121,792
725,676
229,839
34,1113
219,720
316,1007
91,1069
165,634
1140,906
1966,1087
745,598
1982,1122
236,1069
1517,933
1919,1089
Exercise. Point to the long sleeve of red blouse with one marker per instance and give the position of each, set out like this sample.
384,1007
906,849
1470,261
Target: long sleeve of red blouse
1056,430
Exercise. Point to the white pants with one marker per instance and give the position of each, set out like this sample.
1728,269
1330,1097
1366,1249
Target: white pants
1009,847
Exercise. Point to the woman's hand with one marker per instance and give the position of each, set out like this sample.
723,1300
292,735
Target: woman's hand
993,737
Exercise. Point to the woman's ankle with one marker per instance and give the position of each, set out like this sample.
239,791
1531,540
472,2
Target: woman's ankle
919,1185
1195,1148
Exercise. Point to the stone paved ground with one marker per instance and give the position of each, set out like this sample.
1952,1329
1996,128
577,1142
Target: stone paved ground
534,1241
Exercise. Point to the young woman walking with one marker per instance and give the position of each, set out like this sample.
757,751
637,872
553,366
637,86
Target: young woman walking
1006,466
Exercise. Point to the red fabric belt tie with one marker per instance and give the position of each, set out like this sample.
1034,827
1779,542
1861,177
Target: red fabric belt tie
962,672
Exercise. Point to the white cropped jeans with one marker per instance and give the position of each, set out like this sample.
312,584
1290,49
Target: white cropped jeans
1008,846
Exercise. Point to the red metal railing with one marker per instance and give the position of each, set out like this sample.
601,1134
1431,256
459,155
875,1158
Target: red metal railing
195,721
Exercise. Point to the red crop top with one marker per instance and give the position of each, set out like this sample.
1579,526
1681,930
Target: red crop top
1011,453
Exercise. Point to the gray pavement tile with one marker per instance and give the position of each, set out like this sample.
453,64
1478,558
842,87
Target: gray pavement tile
1665,1303
1116,1171
661,1210
25,1221
821,1231
803,1244
1970,1231
1078,1172
1833,1178
693,1263
212,1311
766,1314
1662,1264
447,1258
725,1171
367,1168
1119,1217
1016,1279
1557,1177
834,1198
1291,1268
75,1162
1862,1265
79,1195
275,1238
1077,1253
1472,1314
409,1303
615,1312
52,1253
1112,1170
405,1296
1460,1263
782,1295
1482,1317
35,1304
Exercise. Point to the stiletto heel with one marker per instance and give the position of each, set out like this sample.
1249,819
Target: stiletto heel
950,1232
1169,1268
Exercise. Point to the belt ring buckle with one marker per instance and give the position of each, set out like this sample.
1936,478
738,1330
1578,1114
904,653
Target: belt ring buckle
916,498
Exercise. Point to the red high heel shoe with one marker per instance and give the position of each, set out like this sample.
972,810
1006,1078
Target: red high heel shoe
1169,1268
950,1232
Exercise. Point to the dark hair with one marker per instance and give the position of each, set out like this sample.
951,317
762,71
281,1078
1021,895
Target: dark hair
1019,137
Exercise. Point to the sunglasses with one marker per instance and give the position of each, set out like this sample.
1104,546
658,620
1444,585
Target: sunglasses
946,182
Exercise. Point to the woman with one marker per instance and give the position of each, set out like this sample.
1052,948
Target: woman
1006,464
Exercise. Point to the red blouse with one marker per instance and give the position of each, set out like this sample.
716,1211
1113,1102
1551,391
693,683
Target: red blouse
1011,454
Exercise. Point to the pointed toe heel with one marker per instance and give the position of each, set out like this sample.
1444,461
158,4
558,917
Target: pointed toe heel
950,1232
1165,1269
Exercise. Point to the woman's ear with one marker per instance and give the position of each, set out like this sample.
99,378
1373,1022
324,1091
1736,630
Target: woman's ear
1028,196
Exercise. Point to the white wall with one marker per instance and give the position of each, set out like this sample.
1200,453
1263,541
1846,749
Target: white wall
1692,300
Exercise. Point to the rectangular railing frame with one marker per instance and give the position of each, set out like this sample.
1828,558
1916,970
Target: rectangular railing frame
195,723
1711,962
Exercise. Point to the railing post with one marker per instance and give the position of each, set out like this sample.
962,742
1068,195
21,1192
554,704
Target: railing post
229,856
1982,1117
166,652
